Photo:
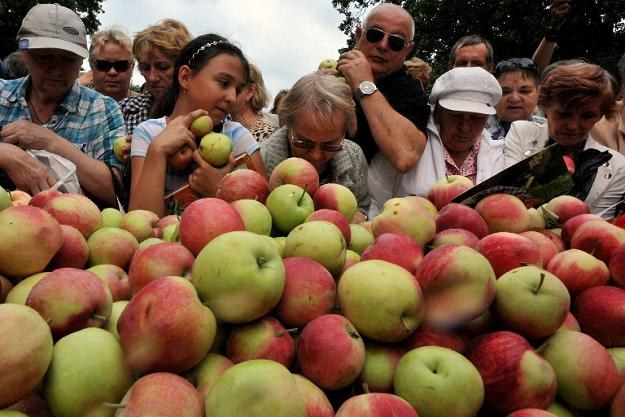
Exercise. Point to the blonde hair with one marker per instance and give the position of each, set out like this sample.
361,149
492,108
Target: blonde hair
169,36
419,70
322,95
113,34
261,96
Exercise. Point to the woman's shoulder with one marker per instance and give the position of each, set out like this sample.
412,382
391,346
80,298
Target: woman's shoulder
150,127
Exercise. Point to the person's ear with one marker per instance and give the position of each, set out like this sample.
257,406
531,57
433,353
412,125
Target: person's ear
184,77
358,34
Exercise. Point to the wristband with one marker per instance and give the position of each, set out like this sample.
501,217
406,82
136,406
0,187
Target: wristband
552,35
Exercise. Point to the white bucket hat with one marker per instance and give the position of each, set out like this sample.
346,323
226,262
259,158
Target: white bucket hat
53,26
467,89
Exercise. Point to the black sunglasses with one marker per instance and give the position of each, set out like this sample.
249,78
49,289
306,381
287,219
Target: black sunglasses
307,144
105,66
515,64
395,42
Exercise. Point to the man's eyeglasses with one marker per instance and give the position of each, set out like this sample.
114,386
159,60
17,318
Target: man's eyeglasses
395,42
326,146
105,66
516,64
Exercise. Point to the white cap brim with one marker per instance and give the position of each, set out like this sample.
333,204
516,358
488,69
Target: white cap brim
466,106
41,42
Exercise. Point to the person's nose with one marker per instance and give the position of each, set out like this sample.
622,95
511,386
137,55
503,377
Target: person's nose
315,153
465,124
153,75
231,95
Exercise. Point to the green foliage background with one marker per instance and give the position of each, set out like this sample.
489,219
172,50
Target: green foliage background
595,29
13,11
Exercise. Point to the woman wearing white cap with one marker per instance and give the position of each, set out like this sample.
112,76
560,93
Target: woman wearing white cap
48,110
461,101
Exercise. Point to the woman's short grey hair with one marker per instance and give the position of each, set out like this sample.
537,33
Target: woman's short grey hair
114,34
323,96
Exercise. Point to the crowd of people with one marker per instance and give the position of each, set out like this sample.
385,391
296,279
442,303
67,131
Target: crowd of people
368,124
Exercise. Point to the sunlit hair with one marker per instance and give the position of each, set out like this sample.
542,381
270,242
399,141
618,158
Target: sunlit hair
278,99
261,97
114,34
468,41
573,86
419,70
321,95
168,36
196,55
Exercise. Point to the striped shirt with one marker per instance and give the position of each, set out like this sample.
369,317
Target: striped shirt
86,118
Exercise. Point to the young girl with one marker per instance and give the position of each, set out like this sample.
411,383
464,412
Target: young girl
208,74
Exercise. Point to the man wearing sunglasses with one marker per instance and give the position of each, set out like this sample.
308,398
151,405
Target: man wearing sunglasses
390,105
48,110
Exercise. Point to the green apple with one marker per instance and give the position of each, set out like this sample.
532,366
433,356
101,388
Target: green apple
25,351
361,238
116,311
142,224
336,197
149,242
380,363
317,403
280,243
201,126
405,216
318,240
618,354
439,382
111,217
289,206
255,216
119,146
111,245
239,276
88,371
381,283
5,199
19,293
216,148
328,63
206,373
559,410
256,388
531,301
12,413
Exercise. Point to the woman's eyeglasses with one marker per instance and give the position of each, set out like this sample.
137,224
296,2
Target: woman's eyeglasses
395,42
326,146
515,64
105,66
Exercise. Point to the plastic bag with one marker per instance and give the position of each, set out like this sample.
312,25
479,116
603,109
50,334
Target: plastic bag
63,169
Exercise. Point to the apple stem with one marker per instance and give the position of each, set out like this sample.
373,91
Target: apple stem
302,196
261,261
287,331
540,283
595,246
365,388
99,317
447,178
113,405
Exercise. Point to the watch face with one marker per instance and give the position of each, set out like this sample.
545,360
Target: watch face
367,87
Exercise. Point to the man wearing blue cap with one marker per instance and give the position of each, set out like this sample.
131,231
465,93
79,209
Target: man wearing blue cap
48,110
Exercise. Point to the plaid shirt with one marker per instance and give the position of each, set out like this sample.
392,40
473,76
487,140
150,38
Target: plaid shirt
136,109
86,118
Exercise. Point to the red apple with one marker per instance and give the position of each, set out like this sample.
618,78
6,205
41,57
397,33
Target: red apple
599,238
159,260
600,312
617,266
617,408
336,197
5,287
19,198
427,335
506,251
205,219
309,291
330,352
142,224
376,404
570,164
265,338
531,412
71,299
115,278
448,188
578,270
546,245
74,253
571,225
30,238
180,160
455,237
43,197
317,403
405,216
296,171
75,210
514,375
333,216
243,184
504,213
570,323
566,207
459,216
395,248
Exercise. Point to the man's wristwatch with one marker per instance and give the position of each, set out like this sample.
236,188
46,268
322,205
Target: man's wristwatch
365,88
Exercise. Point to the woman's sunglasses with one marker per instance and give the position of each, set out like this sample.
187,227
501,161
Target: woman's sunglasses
307,144
105,66
395,42
515,64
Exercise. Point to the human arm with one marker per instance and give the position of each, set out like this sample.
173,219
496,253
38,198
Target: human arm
397,137
26,172
544,52
147,189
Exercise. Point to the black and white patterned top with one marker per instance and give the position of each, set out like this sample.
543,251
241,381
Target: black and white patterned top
136,109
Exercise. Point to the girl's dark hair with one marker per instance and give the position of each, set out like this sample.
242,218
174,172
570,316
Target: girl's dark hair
196,54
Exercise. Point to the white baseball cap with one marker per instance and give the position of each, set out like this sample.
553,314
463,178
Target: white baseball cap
467,89
53,26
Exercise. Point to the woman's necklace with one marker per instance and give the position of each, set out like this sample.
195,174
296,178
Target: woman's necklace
33,113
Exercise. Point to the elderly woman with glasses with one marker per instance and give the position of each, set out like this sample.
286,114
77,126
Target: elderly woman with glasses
318,112
111,61
518,78
574,97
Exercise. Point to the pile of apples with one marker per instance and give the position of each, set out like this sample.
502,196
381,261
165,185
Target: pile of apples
270,301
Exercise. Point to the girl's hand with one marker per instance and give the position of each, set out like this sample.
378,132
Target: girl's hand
205,179
176,134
